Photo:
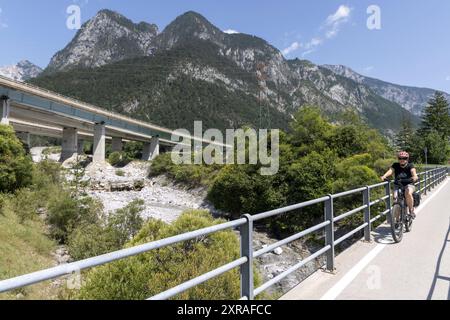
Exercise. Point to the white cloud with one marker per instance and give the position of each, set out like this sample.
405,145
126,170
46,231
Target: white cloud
341,15
333,23
329,28
312,45
231,31
369,69
293,47
2,24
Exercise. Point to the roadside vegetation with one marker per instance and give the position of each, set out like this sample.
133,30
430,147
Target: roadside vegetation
143,276
40,210
317,157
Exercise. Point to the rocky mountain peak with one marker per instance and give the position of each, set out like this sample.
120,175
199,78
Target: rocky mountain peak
107,37
345,72
187,27
22,71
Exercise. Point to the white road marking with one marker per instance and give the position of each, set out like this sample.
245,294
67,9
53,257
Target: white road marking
337,289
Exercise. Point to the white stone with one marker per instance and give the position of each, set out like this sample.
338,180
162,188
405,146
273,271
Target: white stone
278,251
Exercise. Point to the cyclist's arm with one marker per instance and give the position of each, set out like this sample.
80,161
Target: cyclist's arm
387,174
414,175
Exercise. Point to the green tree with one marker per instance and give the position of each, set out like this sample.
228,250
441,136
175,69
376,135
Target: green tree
404,138
434,132
437,148
436,116
15,166
309,130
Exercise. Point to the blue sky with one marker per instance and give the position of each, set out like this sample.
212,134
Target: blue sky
412,47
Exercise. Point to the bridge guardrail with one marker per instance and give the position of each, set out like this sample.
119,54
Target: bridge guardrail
427,180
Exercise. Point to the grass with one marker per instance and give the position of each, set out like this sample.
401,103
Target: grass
24,248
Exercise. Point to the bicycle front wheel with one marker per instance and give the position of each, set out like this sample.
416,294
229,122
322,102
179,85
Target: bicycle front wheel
396,223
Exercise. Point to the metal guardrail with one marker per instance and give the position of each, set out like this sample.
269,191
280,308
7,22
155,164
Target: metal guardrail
427,181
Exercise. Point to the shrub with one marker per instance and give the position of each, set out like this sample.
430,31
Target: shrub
15,165
133,150
25,204
191,175
382,165
47,173
120,173
145,275
115,158
127,222
161,164
65,212
91,239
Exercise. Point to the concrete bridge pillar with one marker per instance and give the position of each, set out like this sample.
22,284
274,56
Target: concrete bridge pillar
69,143
80,147
151,149
117,144
24,137
99,142
5,109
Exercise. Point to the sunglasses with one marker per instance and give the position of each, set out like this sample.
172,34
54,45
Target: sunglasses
402,158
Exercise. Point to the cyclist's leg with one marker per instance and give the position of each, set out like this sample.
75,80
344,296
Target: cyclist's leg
409,199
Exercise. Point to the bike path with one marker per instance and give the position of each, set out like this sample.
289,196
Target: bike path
418,268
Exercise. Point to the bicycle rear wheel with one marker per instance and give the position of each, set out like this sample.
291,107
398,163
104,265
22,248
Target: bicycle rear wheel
396,223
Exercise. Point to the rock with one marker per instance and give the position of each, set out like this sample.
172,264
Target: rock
20,296
61,255
278,251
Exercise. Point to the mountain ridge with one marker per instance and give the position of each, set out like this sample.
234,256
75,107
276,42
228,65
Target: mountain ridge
413,99
192,52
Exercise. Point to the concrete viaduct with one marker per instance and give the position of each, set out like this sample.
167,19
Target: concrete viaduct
33,110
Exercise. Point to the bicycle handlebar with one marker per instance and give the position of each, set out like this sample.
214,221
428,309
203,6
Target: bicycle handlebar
401,181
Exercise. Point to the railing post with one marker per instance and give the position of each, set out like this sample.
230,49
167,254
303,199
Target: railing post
366,202
433,179
425,183
433,185
329,233
246,232
388,199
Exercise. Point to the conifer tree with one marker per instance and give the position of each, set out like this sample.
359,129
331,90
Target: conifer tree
436,117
